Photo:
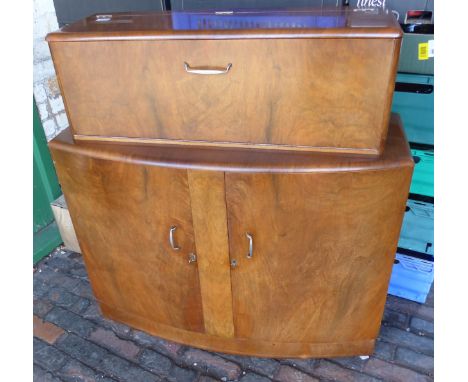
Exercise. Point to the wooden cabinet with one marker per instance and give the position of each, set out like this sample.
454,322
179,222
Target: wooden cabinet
305,80
285,255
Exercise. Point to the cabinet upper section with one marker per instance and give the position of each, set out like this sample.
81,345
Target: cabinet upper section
306,23
302,81
396,155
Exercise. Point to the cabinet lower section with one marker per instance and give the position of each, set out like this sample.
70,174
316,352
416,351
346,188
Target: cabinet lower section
265,258
242,346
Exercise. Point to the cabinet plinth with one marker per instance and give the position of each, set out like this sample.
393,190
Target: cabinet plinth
245,252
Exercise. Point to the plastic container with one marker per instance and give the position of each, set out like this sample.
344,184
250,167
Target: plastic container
413,99
413,270
417,231
412,276
423,175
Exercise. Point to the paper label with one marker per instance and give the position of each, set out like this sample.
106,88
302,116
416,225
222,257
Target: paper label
423,51
431,48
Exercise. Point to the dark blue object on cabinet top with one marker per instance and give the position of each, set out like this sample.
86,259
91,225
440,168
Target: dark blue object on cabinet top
254,20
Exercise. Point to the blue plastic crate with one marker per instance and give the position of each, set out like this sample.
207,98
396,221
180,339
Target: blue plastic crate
422,182
412,276
414,101
413,270
417,231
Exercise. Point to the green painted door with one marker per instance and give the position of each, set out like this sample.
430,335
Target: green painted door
45,190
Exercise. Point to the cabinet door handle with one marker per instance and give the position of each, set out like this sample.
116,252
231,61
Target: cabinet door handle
250,237
171,238
207,69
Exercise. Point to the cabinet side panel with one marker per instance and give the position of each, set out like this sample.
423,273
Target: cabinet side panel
323,249
211,236
122,213
386,112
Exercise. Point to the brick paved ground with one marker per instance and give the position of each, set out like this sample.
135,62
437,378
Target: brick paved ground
73,342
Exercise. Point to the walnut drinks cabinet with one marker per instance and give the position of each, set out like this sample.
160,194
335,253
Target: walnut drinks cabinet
310,80
239,251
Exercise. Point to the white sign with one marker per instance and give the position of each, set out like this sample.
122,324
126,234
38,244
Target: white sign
370,4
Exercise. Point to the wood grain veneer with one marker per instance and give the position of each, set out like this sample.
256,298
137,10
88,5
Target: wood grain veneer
242,346
122,216
207,196
396,154
325,231
164,25
324,247
305,89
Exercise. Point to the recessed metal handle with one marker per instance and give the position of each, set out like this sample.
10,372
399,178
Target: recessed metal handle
171,239
207,69
250,237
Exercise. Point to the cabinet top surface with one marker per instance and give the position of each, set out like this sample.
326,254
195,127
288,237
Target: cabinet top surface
396,154
304,23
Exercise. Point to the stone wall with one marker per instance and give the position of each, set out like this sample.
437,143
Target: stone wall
46,90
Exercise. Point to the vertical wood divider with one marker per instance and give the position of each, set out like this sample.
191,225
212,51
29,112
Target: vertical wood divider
207,194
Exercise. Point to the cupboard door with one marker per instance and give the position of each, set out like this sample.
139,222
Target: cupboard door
122,213
323,249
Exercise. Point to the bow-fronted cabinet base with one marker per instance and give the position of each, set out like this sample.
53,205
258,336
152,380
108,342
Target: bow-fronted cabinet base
258,253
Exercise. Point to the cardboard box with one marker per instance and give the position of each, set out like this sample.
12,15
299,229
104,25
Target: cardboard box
65,225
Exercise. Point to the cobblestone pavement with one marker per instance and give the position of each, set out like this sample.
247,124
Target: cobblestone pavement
73,342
